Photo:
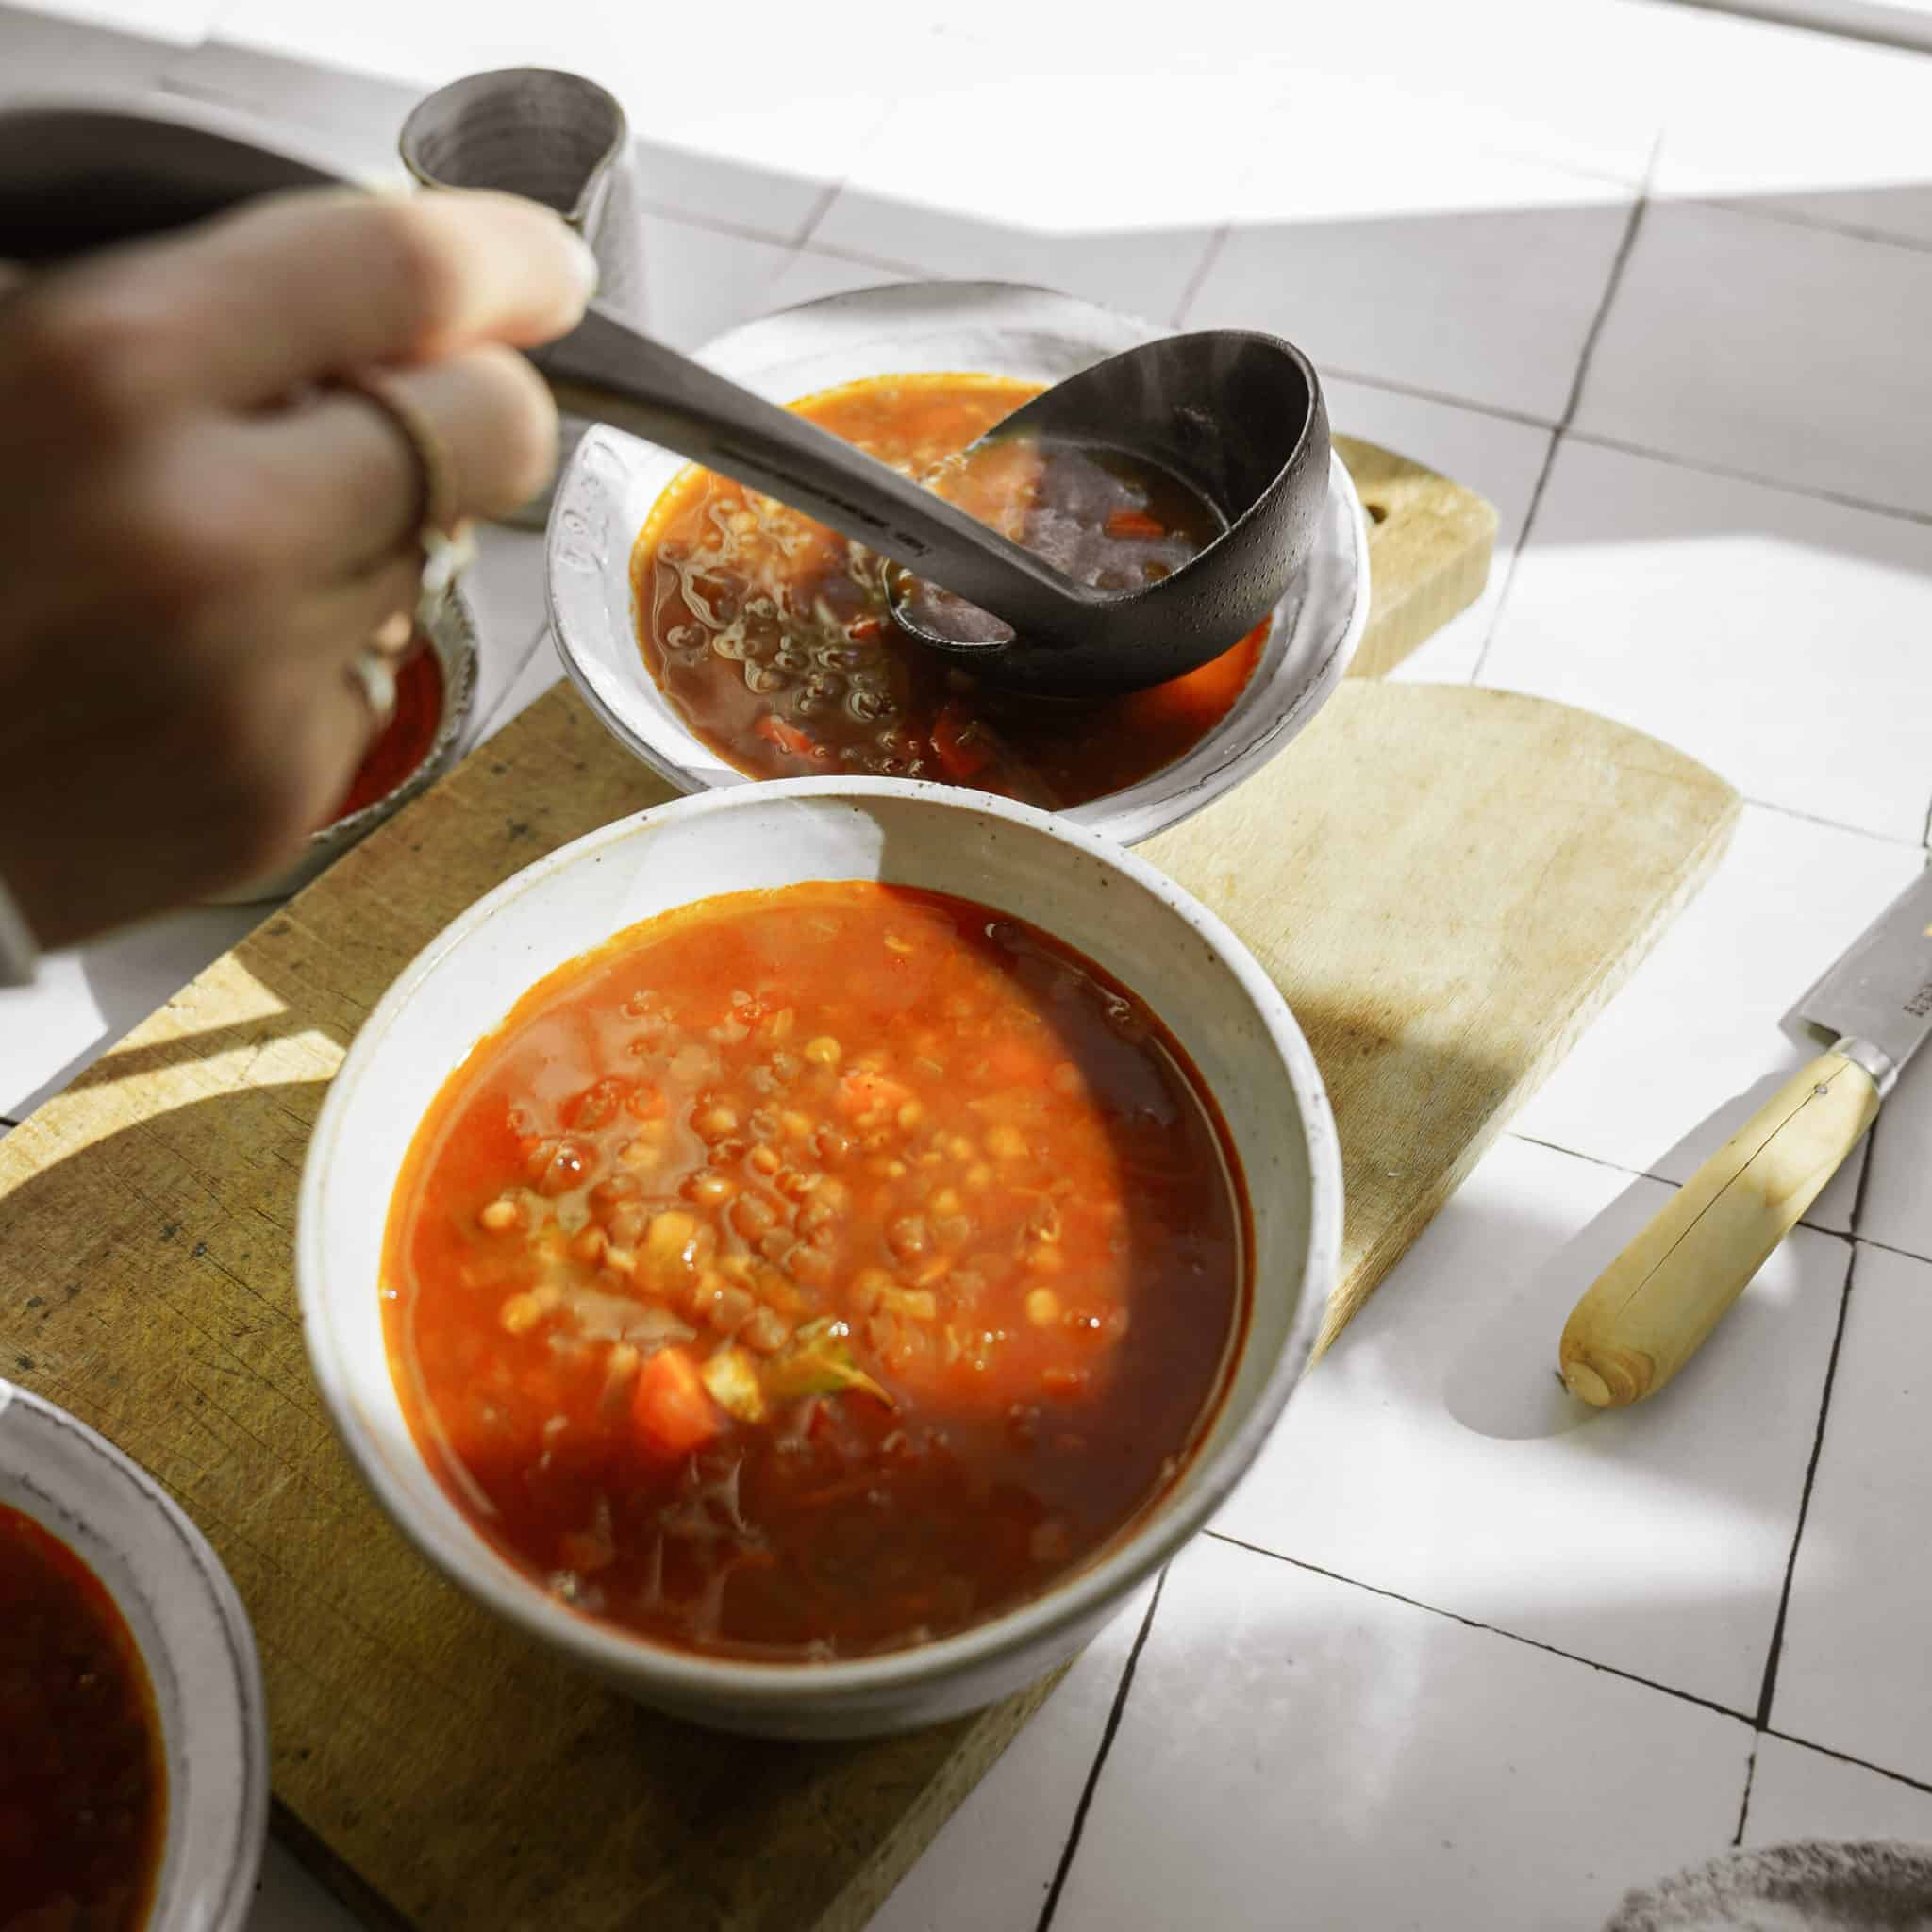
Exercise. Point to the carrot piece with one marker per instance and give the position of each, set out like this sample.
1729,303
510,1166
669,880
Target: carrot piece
1013,1063
961,747
862,1088
670,1408
787,737
861,630
1133,523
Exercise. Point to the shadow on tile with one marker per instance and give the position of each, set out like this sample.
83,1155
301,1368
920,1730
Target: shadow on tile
1468,282
1506,1385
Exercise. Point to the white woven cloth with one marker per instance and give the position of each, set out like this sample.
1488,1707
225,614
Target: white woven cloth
1808,1887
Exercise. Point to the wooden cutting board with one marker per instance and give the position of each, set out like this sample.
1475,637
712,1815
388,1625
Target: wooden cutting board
1445,882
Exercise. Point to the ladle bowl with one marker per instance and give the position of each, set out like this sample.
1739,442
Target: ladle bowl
1236,416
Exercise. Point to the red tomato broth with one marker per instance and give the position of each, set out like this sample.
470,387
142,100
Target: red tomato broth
405,741
769,636
83,1777
976,1317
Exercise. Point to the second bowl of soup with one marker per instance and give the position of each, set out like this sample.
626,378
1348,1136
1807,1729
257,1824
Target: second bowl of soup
726,638
809,1252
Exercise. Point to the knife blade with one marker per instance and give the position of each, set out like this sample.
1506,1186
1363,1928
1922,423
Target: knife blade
1651,1310
1878,996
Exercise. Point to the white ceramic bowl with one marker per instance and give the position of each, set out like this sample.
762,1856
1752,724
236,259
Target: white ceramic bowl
997,328
1072,882
193,1636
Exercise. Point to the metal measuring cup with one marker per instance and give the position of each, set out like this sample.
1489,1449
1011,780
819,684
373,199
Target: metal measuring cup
555,137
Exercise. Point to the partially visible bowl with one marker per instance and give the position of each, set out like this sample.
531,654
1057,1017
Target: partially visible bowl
1076,884
193,1637
990,327
452,637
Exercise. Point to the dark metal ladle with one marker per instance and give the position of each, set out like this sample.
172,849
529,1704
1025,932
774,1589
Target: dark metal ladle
1237,417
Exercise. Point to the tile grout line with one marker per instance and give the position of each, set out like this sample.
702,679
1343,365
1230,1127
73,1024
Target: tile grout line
816,214
820,209
1761,1721
1744,1803
490,721
1203,268
1421,392
1663,1180
1595,440
1898,1777
1866,1241
1072,1847
1619,262
1709,1703
1811,493
1743,204
1850,230
1812,818
1589,1663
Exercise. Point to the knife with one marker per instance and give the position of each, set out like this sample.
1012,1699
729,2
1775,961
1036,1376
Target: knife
1651,1308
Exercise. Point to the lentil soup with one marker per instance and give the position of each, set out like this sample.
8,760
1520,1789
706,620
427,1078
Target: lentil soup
770,637
83,1782
808,1273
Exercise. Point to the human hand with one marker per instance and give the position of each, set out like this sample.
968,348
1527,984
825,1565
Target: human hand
198,534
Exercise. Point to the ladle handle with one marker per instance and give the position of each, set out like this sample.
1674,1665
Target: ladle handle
607,372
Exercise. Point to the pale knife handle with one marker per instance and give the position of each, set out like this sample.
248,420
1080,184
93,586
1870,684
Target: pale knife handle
1649,1311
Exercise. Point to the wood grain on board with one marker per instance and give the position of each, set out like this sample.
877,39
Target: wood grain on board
1445,882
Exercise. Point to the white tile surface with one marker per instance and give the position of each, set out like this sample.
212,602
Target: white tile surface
184,21
1680,1060
505,586
699,281
1433,1452
44,54
1776,350
1565,85
1796,1792
1855,1673
995,1859
86,998
1781,639
1491,455
760,148
1062,197
351,120
1897,1208
1473,275
287,1899
1296,1751
540,669
1782,121
813,273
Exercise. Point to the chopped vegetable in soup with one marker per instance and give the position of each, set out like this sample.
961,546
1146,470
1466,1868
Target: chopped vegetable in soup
809,1273
770,637
83,1786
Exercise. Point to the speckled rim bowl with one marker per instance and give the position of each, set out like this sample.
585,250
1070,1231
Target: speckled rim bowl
1070,880
993,327
193,1637
453,637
